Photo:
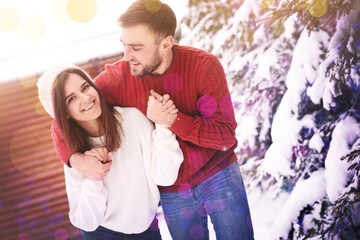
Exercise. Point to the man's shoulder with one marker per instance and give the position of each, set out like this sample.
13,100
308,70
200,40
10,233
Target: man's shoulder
111,72
193,52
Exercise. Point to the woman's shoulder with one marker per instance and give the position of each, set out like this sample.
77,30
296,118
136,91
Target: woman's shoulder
128,111
132,116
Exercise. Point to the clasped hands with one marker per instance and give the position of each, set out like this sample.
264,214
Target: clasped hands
161,109
95,164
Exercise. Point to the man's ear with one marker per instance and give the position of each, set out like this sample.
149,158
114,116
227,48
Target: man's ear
168,42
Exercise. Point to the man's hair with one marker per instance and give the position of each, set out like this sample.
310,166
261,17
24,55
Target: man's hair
153,12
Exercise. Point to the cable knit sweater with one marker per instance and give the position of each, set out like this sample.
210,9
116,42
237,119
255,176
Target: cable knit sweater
127,198
205,127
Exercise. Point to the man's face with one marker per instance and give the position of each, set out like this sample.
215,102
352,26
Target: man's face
141,50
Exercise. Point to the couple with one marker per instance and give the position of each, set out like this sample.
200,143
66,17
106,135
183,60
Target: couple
201,180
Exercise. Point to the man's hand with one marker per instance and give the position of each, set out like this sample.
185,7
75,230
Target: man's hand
168,105
161,110
90,166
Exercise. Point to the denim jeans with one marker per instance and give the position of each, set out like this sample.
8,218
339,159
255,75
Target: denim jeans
101,233
222,197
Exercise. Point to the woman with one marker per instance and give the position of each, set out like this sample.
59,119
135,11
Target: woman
122,204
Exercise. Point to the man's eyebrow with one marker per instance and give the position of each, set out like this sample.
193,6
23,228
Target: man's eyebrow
132,44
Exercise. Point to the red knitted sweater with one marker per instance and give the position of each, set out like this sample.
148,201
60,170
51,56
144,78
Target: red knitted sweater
205,126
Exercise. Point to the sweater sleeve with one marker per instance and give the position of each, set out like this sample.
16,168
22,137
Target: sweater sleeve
62,149
87,200
215,125
161,152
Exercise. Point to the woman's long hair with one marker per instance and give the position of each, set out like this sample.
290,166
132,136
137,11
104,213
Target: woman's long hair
75,136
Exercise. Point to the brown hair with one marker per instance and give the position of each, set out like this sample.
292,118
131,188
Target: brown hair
153,12
74,135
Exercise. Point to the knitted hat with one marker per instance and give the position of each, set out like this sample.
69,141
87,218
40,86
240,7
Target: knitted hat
47,83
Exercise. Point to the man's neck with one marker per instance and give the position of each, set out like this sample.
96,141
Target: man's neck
166,63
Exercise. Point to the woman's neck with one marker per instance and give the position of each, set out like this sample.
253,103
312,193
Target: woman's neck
92,128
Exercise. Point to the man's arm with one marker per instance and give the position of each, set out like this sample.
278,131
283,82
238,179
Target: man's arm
88,165
215,125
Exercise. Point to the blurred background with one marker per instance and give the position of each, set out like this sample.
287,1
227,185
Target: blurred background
293,72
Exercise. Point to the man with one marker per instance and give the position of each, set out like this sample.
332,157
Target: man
209,181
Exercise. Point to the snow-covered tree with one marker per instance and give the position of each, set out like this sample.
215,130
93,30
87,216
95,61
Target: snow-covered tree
293,71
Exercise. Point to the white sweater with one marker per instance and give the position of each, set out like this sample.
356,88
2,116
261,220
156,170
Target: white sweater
126,200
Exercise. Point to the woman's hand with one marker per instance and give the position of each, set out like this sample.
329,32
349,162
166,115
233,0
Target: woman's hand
100,153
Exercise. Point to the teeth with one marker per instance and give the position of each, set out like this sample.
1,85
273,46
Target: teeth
88,107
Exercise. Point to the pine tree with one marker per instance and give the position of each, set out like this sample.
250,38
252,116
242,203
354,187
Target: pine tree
293,71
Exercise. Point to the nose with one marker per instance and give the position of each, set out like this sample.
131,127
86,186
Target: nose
127,53
84,97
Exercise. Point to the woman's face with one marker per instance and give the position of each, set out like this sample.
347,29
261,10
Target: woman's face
81,99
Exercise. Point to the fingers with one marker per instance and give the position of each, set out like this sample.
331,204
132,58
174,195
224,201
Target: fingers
103,171
156,95
166,98
168,106
174,110
100,153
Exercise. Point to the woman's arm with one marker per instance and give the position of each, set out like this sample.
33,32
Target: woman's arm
87,200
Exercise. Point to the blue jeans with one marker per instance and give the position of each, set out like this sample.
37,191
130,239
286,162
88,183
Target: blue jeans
222,197
101,233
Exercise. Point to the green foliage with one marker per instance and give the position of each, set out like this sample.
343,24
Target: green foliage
319,15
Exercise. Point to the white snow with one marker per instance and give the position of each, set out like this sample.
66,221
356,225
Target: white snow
305,192
344,135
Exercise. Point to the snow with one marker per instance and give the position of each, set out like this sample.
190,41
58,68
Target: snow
344,136
246,9
316,142
262,215
305,192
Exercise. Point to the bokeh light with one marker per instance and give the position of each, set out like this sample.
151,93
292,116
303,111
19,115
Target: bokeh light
197,232
356,25
267,3
9,19
81,11
195,160
206,105
152,6
187,213
173,83
61,234
317,8
33,27
219,204
59,11
185,191
28,82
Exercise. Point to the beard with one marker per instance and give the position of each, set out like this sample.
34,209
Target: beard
149,68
